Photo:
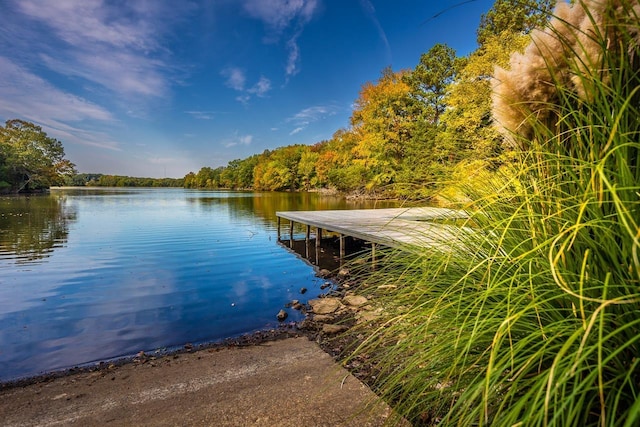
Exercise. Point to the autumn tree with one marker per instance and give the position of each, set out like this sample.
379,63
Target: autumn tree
29,159
307,169
278,170
382,122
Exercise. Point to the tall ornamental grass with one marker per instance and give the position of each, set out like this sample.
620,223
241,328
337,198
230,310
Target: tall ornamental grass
533,319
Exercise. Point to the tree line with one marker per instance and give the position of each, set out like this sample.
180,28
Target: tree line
102,180
411,132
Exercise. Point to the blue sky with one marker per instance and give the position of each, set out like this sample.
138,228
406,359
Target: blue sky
159,88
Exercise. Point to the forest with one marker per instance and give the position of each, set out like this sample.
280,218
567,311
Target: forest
412,132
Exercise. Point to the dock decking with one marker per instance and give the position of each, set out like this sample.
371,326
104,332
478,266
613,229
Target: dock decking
397,227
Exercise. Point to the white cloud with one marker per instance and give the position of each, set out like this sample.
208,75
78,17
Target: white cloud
243,99
261,87
117,46
312,114
89,22
246,140
124,73
27,96
239,140
202,115
280,16
305,117
236,79
291,68
235,76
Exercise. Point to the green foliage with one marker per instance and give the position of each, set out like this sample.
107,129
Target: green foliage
430,80
29,159
514,16
532,316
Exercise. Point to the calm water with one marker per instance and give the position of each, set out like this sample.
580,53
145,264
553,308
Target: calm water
94,274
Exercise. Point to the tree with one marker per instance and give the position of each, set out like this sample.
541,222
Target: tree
31,160
514,16
382,123
278,170
307,169
430,78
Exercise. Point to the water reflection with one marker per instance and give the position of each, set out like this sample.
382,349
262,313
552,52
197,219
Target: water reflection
141,269
264,205
31,227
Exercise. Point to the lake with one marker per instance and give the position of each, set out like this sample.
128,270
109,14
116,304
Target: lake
92,274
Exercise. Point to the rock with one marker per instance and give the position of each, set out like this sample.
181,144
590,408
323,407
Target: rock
323,318
343,272
303,290
325,285
333,329
282,315
355,300
325,305
297,306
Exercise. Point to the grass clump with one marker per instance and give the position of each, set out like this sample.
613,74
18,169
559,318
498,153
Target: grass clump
534,318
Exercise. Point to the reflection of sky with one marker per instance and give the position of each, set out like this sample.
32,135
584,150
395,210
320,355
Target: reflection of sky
142,271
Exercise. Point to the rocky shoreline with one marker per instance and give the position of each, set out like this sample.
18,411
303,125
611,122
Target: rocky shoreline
329,317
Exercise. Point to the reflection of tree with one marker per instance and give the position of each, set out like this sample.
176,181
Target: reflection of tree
32,227
264,205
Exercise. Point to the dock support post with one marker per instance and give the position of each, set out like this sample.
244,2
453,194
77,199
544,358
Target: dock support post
318,241
307,240
342,248
291,233
318,238
278,228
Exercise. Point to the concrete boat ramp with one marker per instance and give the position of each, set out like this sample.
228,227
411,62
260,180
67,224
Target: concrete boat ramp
290,382
409,228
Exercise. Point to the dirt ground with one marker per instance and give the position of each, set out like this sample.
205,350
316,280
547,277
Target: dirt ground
289,382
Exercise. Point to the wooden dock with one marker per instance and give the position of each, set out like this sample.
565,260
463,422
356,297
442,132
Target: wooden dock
397,227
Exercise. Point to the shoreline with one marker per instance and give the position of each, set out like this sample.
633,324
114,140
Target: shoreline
284,331
283,382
